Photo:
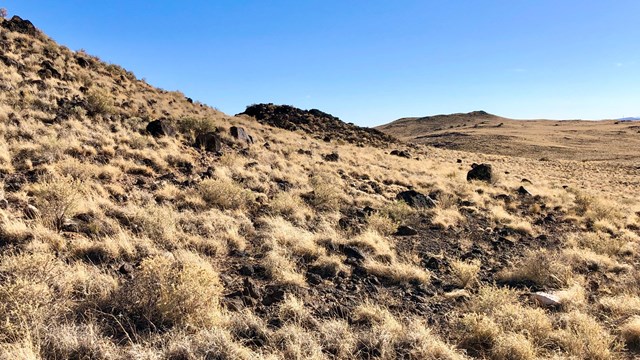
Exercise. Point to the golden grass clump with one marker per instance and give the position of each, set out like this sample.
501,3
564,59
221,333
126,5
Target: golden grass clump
465,272
179,289
224,194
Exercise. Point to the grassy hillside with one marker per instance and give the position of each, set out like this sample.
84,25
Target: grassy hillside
117,244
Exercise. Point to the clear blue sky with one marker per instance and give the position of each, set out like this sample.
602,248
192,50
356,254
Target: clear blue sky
373,61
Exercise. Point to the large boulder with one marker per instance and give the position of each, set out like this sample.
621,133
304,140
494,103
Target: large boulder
240,134
17,24
482,172
209,141
161,127
416,199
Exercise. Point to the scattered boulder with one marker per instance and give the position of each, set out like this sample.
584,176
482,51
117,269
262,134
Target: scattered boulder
161,127
416,199
240,134
17,24
401,153
209,141
405,230
482,172
331,157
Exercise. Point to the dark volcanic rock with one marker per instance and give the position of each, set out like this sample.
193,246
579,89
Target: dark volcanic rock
17,24
482,172
331,157
404,230
240,134
416,199
161,127
318,123
401,153
209,141
47,70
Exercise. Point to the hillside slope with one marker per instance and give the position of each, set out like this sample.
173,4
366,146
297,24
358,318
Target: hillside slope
479,131
208,236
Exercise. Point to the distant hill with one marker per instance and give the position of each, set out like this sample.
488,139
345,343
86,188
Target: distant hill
630,119
481,132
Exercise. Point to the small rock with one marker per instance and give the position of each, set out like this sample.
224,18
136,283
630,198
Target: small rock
273,297
482,172
126,269
4,204
458,295
459,161
247,270
331,157
523,191
401,153
546,299
353,252
416,199
404,230
526,181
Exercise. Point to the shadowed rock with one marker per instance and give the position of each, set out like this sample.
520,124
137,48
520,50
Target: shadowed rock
209,141
482,172
240,134
416,199
161,127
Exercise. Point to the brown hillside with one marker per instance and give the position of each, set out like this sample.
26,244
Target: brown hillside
485,133
138,224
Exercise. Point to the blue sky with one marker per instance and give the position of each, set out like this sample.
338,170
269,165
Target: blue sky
369,62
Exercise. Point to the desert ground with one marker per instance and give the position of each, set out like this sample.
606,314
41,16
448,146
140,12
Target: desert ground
136,223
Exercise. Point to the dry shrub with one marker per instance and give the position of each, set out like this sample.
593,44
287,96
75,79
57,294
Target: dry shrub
477,333
594,209
381,223
224,194
281,268
337,339
192,127
512,346
466,272
291,207
542,267
417,341
99,102
446,218
294,342
326,194
76,342
580,335
181,290
399,273
57,199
